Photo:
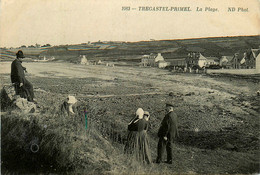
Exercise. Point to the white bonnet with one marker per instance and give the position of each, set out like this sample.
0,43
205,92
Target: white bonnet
140,112
71,99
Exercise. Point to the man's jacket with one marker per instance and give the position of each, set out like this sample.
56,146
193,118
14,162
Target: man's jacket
17,72
169,127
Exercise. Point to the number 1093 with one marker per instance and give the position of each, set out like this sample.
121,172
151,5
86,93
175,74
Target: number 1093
125,8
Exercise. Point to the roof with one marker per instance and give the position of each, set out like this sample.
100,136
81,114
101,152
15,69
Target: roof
202,57
229,58
159,57
255,52
212,58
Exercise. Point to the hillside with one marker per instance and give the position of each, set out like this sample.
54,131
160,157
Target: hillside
131,51
218,121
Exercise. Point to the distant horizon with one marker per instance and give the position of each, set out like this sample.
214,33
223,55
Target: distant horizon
52,45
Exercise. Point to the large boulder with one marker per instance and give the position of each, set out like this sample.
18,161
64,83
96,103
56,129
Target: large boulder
7,94
9,100
24,105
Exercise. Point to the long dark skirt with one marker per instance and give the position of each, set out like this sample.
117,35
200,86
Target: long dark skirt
137,146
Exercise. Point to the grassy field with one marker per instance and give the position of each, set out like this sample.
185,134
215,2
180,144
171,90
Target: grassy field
218,115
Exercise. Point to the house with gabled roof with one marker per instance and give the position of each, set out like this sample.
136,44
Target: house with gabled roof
154,60
246,60
196,59
226,62
148,60
162,63
251,56
83,60
159,57
212,61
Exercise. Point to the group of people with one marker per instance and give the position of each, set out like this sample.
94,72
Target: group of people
137,144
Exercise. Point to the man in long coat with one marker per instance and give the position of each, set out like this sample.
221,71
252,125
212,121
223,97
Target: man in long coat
22,86
167,134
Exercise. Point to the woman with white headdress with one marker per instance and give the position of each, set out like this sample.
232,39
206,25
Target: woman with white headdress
67,106
137,141
76,110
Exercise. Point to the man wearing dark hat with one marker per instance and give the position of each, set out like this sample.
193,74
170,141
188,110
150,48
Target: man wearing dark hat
22,86
167,133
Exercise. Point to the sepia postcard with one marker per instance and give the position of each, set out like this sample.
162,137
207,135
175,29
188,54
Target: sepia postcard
130,86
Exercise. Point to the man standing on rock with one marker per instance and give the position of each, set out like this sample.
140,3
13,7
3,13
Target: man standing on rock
167,134
22,86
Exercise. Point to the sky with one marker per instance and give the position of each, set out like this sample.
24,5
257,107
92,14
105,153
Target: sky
57,22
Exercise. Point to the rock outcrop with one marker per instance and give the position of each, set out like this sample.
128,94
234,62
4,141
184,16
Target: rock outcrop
9,100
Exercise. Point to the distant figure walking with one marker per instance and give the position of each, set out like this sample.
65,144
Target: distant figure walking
22,86
167,134
137,143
